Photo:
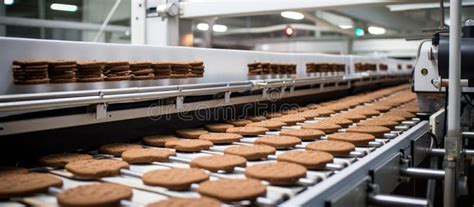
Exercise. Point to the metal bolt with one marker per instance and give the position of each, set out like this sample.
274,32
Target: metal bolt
424,71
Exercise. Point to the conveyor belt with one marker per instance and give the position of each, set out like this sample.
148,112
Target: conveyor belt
275,194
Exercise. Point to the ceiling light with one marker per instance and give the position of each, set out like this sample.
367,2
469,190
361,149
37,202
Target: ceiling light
63,7
292,15
376,30
345,26
359,32
8,2
289,31
202,26
219,28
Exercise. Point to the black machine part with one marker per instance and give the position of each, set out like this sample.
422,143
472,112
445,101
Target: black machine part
467,55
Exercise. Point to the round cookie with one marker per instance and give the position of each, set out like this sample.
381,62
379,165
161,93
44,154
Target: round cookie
269,124
248,131
146,155
230,190
378,122
377,131
303,134
215,163
366,111
103,194
251,152
191,133
323,126
390,118
158,140
92,169
7,170
289,111
323,111
279,142
336,148
273,115
218,127
60,160
310,114
187,202
380,107
257,118
337,107
280,173
290,119
352,116
344,123
26,184
221,138
401,113
357,139
240,122
309,159
189,145
175,178
312,106
117,149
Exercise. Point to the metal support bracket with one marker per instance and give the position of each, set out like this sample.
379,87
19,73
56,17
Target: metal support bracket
101,111
282,91
387,175
227,97
179,102
265,93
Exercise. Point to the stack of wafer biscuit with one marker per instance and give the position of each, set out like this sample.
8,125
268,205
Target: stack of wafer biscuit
310,67
30,72
363,67
255,68
62,71
258,68
340,67
282,68
161,70
291,69
89,71
275,68
325,67
142,71
197,69
180,70
117,70
266,68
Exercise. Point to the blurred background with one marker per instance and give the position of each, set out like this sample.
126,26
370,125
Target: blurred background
377,27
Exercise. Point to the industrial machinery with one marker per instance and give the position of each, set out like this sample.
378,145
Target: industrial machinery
76,116
79,117
443,82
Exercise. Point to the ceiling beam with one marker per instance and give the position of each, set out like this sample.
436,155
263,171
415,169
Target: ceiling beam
228,8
